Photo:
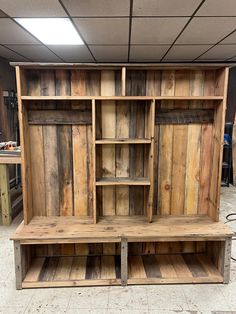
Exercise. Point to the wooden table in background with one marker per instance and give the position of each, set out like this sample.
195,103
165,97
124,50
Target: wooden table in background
5,160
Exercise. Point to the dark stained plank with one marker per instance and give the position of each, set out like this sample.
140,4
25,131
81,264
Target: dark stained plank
193,264
93,83
93,267
49,269
151,266
117,266
65,170
52,117
63,82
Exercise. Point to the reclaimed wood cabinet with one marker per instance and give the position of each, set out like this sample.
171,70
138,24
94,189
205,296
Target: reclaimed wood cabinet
121,169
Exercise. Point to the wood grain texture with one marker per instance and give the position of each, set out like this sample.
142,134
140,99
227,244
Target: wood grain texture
165,150
38,169
180,136
108,117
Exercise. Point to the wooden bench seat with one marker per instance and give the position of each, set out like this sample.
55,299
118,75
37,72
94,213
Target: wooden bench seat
111,229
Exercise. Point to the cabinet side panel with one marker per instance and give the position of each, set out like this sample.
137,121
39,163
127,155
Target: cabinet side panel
218,142
25,147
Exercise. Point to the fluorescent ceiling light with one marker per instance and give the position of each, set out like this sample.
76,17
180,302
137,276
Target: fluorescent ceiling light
52,31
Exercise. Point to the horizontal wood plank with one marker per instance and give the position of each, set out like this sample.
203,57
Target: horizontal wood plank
45,117
122,181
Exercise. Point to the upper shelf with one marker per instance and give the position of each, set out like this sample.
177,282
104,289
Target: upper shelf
122,97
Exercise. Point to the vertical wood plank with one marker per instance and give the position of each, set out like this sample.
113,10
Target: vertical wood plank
124,261
136,85
93,149
180,135
205,171
25,151
51,171
108,116
123,81
227,260
81,155
192,170
218,142
64,141
37,169
18,264
153,88
122,158
165,149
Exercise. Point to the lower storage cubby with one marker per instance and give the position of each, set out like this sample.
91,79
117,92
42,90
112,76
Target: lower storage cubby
177,262
174,268
62,271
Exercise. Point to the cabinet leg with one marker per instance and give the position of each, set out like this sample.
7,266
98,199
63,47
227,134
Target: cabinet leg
227,259
124,261
18,264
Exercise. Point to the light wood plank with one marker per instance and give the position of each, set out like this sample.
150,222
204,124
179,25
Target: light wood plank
63,268
122,158
136,267
35,269
192,170
108,116
78,269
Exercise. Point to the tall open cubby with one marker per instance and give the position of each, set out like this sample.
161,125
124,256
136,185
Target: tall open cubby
121,168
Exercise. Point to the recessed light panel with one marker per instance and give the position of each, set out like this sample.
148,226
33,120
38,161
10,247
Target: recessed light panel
52,31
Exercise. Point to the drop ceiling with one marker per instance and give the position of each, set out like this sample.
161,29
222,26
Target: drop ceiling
125,30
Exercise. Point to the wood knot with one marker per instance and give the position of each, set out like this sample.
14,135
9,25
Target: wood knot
167,187
109,228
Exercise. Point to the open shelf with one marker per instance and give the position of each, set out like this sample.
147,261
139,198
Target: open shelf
174,268
122,181
73,271
124,141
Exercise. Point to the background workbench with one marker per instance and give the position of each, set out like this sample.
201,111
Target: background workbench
6,206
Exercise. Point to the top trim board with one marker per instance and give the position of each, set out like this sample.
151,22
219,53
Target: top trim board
101,66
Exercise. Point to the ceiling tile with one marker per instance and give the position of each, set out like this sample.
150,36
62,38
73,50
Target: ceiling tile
2,14
156,30
72,53
218,8
97,8
10,55
210,30
104,31
186,52
233,59
230,40
110,53
11,33
35,53
220,52
29,8
147,53
165,7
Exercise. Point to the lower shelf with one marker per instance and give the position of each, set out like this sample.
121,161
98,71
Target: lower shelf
175,268
73,271
106,270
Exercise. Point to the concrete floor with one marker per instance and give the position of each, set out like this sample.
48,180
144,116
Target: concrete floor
208,298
